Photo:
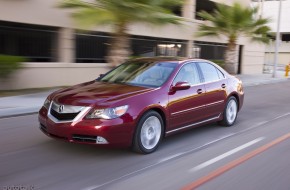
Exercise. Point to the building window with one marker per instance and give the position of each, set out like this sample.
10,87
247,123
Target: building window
169,49
149,47
204,5
143,47
36,43
286,37
208,50
91,48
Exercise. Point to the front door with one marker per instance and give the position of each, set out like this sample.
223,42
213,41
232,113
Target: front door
186,106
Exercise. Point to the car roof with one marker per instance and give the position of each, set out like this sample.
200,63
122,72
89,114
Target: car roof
179,60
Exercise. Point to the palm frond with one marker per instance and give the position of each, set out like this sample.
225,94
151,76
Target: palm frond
261,39
76,4
205,30
233,21
123,11
97,17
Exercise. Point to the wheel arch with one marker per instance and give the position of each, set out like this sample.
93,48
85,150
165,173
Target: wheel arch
237,98
160,111
163,117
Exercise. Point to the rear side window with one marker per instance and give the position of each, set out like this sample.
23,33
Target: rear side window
221,75
210,72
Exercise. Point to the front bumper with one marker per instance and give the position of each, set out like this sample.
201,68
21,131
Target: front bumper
116,132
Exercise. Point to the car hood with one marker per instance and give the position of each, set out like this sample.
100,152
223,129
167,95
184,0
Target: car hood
91,93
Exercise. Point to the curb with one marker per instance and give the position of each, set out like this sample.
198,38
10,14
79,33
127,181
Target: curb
264,83
14,112
17,115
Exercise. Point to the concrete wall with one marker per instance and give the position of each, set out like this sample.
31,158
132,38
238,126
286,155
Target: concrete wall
38,75
270,9
253,57
283,56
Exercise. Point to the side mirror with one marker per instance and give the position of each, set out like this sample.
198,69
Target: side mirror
100,76
180,86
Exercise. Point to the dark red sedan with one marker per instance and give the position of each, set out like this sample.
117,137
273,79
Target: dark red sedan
141,101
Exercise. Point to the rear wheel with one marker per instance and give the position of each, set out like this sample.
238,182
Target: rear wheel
230,112
148,133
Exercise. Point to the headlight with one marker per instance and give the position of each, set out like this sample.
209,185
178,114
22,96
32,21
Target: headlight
46,104
108,113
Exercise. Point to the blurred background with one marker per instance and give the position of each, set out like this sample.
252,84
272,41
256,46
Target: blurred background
55,52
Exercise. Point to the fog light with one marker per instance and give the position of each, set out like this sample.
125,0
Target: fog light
101,140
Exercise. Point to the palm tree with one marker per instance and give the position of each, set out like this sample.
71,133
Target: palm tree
120,14
233,22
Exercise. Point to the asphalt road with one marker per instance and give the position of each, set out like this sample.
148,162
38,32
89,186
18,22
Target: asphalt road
253,154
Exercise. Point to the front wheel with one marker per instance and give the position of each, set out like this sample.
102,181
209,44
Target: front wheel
148,133
230,112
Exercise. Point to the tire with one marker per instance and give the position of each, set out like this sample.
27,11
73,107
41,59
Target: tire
230,112
149,133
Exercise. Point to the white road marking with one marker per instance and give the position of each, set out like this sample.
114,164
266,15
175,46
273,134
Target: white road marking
170,157
95,187
157,163
219,139
222,156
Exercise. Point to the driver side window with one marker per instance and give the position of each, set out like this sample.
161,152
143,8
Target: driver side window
188,73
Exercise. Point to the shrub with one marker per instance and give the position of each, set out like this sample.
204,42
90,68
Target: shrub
9,64
219,62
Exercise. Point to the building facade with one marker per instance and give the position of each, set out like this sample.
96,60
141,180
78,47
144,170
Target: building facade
59,54
270,9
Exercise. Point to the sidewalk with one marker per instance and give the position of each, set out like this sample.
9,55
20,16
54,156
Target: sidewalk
253,80
23,104
31,103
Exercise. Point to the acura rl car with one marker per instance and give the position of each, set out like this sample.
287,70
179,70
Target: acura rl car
142,101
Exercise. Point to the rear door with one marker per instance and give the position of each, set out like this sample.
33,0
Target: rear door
215,86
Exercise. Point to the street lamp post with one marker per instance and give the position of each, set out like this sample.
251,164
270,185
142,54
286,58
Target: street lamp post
277,39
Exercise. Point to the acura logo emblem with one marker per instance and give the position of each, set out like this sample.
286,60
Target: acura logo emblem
60,108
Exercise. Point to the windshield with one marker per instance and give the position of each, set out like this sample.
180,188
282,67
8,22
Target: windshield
140,73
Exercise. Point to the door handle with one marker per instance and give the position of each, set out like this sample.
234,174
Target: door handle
223,86
199,91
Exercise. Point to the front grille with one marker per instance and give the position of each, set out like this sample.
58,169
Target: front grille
63,116
85,138
65,113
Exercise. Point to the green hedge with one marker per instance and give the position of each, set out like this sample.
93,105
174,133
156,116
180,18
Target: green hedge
219,62
9,64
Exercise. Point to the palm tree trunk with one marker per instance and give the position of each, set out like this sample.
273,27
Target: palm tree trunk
119,49
231,58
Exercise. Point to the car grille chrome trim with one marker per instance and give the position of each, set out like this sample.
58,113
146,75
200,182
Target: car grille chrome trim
193,124
68,113
66,108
